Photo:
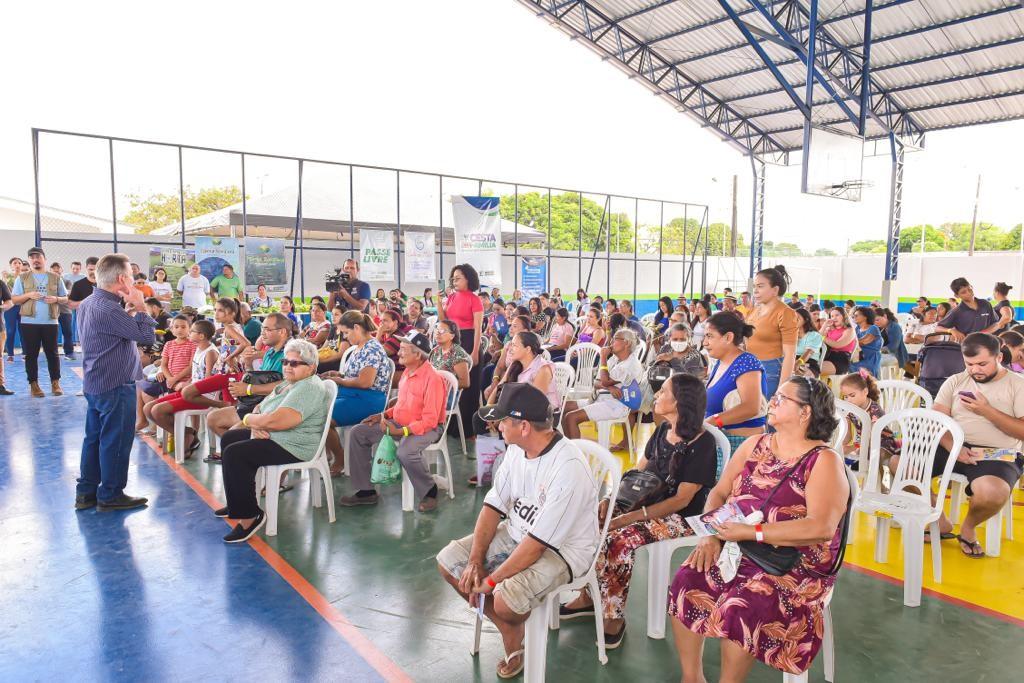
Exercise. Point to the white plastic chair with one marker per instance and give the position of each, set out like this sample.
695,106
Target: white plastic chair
587,356
897,394
564,378
847,410
659,555
891,372
607,474
345,432
457,415
446,482
640,350
269,476
344,358
205,435
647,318
993,525
604,432
909,499
839,433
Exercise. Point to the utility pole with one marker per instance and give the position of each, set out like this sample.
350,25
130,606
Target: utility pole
974,219
735,218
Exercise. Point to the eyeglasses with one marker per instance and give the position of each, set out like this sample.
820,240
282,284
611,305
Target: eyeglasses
779,396
293,363
272,329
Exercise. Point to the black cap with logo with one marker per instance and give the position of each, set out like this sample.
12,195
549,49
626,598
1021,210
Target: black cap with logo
417,339
519,401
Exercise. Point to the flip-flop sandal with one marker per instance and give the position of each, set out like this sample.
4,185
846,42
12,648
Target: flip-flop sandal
976,551
943,536
518,670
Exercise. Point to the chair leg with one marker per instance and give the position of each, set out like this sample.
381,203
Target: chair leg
658,561
828,646
604,433
629,438
325,475
1008,516
994,533
956,500
314,488
462,432
449,478
933,530
179,438
881,540
913,557
536,644
595,595
794,678
407,494
272,478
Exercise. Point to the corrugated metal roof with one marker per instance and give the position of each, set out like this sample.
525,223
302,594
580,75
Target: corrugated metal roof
934,64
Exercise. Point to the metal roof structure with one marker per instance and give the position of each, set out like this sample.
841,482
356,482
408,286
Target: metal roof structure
881,67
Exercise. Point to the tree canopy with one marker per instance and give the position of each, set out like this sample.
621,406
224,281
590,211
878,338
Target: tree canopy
157,210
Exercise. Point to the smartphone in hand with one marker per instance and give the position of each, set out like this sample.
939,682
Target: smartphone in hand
968,394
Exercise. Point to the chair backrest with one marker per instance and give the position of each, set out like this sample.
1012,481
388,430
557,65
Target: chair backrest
640,350
851,479
330,394
564,378
845,409
897,394
839,433
586,355
546,354
892,372
723,446
391,371
451,398
921,430
344,358
647,318
607,471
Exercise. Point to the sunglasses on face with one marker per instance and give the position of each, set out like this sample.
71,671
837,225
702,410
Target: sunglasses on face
293,363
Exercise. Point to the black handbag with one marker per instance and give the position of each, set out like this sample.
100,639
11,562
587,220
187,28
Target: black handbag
637,489
773,559
256,378
658,374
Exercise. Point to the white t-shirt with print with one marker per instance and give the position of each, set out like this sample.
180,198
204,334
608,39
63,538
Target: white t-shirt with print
552,498
193,290
625,371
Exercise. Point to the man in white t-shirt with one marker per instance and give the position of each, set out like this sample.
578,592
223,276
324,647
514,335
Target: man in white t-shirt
619,369
546,493
987,401
194,288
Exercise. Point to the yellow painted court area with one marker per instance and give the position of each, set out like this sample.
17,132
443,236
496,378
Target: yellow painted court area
991,583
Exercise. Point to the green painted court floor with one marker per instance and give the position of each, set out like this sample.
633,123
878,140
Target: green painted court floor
376,566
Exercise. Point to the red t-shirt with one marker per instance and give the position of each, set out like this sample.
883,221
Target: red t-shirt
460,308
179,355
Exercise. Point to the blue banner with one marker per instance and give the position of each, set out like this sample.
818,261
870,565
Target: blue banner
533,275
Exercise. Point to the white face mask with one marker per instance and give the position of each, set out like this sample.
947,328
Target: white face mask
680,346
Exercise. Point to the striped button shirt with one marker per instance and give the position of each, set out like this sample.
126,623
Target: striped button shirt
110,357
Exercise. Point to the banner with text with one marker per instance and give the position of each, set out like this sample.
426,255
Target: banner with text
533,275
174,260
419,257
376,255
264,264
213,253
478,236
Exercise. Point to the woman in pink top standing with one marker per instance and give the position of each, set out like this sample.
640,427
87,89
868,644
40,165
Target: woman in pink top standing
464,308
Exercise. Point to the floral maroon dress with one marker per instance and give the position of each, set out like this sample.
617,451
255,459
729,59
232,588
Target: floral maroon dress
777,619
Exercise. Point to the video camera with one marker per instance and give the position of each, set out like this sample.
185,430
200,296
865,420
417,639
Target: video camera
333,282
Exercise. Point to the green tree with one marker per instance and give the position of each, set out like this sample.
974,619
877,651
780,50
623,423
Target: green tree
934,239
868,247
679,237
824,252
157,210
565,221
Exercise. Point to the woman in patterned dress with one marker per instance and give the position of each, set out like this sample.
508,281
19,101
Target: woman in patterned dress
759,616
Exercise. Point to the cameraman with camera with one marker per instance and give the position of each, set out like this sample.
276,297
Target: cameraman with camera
349,292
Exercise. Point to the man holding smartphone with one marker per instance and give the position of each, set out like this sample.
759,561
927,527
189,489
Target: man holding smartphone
354,294
987,401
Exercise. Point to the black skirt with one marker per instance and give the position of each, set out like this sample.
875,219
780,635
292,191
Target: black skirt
469,401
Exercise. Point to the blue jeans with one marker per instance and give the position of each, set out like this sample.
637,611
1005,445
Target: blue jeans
109,435
772,375
11,319
355,405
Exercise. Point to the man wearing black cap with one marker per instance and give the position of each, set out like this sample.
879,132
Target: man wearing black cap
40,292
415,422
546,492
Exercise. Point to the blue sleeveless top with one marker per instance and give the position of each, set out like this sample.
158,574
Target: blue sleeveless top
744,363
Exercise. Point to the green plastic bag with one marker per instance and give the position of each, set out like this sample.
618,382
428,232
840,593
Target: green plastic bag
386,467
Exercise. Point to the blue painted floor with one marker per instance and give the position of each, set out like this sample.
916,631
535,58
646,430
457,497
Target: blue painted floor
144,595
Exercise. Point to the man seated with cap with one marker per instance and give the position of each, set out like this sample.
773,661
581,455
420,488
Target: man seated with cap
414,422
537,529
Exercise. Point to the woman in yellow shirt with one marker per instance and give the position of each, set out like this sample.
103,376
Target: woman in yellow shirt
776,327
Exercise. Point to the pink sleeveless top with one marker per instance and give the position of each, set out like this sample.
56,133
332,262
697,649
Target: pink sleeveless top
530,372
835,335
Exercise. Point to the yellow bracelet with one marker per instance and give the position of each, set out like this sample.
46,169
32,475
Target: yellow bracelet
248,390
245,420
405,431
604,367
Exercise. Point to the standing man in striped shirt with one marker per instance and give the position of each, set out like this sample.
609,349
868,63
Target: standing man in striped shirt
110,336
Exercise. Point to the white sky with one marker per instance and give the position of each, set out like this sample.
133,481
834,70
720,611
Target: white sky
473,87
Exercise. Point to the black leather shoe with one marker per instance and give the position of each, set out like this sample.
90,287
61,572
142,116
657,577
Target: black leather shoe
85,502
220,512
121,502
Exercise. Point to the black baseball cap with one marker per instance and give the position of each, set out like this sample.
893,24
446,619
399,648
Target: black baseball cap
417,339
36,250
518,400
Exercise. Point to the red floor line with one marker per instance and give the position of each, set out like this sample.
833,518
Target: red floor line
935,594
360,643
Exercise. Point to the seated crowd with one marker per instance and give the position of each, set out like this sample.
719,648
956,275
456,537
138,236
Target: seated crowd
752,367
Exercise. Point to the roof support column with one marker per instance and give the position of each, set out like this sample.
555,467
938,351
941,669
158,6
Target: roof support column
892,249
757,167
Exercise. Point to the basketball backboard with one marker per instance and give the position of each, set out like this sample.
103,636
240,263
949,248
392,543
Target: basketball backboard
833,164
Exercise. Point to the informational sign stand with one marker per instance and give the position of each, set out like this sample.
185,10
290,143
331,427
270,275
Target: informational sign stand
533,275
478,236
419,257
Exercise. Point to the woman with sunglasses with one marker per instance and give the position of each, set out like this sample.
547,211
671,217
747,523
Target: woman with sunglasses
800,487
284,429
736,383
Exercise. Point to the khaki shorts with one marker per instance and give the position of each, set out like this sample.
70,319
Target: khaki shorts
521,592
